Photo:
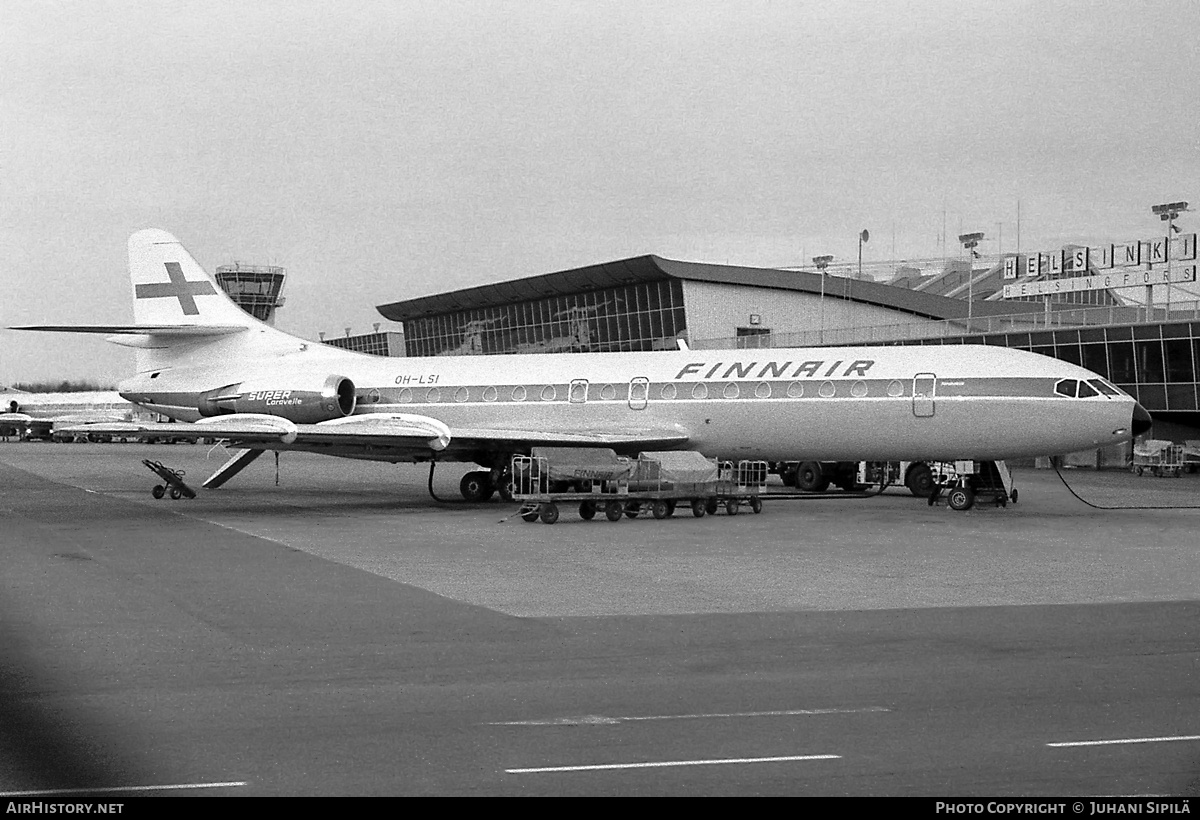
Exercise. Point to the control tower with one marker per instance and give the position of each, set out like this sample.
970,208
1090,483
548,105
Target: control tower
255,288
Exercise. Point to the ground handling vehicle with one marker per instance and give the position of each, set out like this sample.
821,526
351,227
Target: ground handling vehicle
654,483
1158,457
968,482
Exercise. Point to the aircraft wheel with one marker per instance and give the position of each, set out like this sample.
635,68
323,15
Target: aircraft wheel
502,480
961,499
549,512
756,504
632,509
710,506
660,510
612,511
1137,470
698,507
476,486
731,507
587,510
159,491
529,516
176,494
1014,496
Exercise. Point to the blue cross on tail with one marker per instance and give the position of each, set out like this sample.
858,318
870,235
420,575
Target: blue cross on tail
179,287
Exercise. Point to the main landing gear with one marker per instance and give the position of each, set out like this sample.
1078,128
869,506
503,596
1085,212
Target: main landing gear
480,485
477,486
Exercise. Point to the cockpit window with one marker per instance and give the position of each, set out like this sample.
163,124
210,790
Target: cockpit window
1086,390
1066,387
1106,387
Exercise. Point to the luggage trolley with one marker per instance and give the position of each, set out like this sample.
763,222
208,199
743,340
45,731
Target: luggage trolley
655,484
739,484
663,480
596,478
1158,457
1191,455
172,481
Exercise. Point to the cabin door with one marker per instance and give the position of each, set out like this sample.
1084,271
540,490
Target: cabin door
639,389
924,387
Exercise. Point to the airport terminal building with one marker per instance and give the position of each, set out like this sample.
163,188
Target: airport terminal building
651,303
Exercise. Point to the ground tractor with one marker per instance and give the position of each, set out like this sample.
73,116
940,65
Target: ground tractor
816,476
964,482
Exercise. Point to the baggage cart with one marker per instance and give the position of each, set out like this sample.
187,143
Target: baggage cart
1158,457
654,484
1191,455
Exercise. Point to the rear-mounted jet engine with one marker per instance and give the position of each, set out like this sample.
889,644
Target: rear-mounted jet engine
304,403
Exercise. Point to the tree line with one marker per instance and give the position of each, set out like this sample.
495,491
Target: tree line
64,386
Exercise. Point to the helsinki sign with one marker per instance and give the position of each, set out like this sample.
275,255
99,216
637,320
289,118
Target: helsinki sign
1145,257
1101,281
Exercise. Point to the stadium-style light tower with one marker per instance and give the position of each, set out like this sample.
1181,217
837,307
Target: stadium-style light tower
862,239
1168,212
969,242
822,262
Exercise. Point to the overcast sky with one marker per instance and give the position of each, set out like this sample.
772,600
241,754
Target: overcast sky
386,150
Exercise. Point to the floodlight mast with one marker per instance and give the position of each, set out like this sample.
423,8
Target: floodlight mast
822,262
862,239
1167,212
969,242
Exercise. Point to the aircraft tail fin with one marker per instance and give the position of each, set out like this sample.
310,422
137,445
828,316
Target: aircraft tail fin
171,289
181,315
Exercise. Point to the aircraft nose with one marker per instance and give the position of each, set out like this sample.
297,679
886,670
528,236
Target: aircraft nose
1141,420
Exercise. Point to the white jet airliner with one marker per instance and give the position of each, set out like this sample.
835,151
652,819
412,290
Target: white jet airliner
202,359
38,415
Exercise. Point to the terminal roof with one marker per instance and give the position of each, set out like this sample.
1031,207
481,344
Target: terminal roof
652,268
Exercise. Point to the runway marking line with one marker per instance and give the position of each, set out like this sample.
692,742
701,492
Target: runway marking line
668,763
1126,740
120,789
602,720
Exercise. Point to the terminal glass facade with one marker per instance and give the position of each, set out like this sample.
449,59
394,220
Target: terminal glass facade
386,343
643,316
1155,363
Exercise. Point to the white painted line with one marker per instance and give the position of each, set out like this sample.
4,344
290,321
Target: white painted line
1127,740
602,720
120,789
663,764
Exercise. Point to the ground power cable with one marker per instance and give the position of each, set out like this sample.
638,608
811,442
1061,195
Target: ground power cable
1120,507
822,496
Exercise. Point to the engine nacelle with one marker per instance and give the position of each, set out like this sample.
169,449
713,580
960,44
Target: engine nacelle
310,401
